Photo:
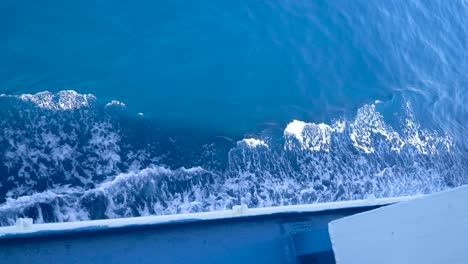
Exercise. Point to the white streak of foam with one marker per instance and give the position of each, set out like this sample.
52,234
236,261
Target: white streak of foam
63,100
124,177
68,211
105,143
196,169
339,126
115,103
311,136
369,122
252,143
295,129
367,129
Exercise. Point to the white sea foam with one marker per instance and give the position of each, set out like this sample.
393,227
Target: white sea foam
424,141
63,100
252,143
310,136
79,148
115,103
105,143
61,201
369,123
367,128
108,177
295,129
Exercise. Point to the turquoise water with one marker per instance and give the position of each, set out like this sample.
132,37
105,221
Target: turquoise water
207,93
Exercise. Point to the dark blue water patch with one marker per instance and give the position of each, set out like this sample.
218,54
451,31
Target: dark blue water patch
231,66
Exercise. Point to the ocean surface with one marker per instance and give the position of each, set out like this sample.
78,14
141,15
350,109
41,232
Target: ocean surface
115,108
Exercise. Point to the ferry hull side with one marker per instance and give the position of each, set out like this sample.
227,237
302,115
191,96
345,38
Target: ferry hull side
276,238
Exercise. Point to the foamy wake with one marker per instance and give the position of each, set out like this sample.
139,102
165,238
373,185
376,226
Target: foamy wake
63,100
68,159
365,132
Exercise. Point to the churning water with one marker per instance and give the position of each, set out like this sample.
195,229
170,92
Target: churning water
111,109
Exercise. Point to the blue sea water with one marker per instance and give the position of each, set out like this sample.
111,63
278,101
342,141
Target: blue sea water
113,108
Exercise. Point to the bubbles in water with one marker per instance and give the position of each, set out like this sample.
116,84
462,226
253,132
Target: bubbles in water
65,157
